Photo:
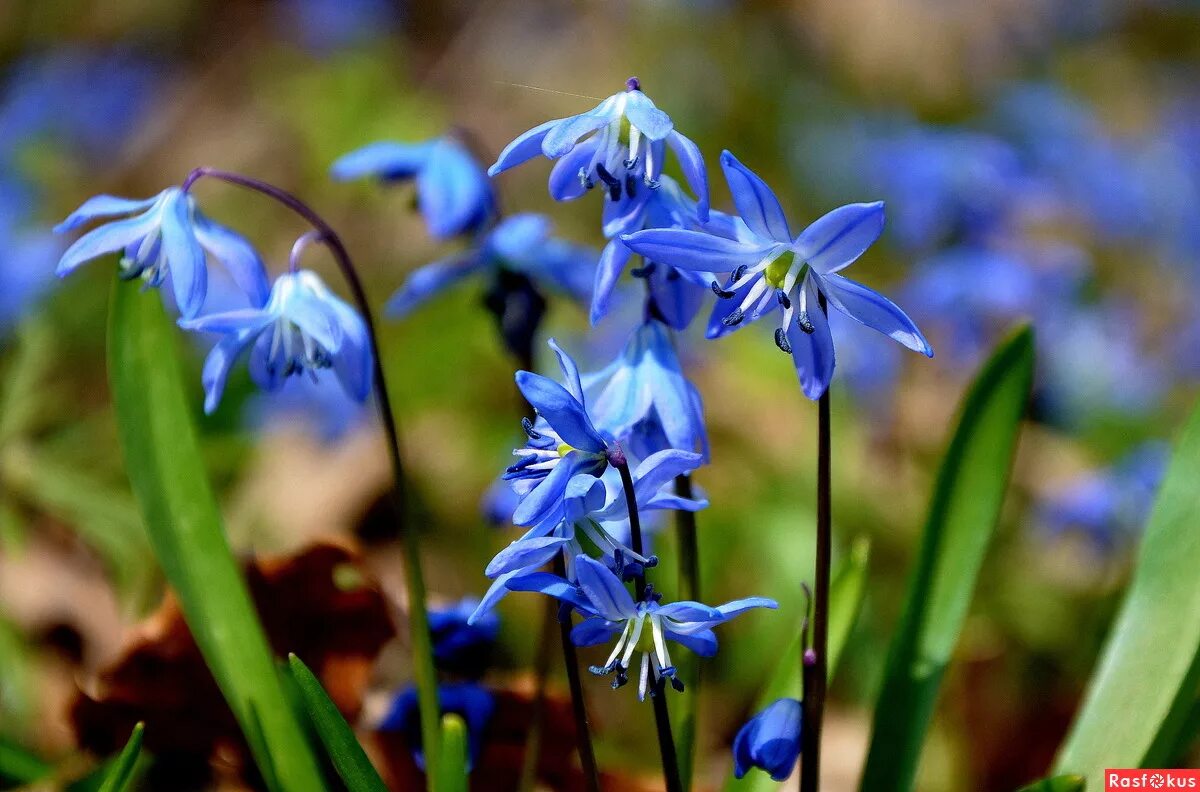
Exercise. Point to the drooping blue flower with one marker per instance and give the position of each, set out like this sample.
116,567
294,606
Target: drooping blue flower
643,398
521,244
461,646
453,193
771,268
608,610
594,509
473,703
770,740
166,234
303,329
562,442
619,144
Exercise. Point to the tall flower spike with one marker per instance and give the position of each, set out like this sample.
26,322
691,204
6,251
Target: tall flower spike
617,144
303,329
770,740
769,268
161,236
453,193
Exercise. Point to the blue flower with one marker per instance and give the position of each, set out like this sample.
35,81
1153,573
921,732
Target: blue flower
522,244
593,509
609,610
562,442
326,26
619,144
453,193
771,268
161,236
643,398
770,740
473,703
27,256
461,646
302,329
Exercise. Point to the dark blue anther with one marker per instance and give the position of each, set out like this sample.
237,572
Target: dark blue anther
611,182
527,425
805,323
784,300
781,340
672,274
738,273
734,319
633,84
722,293
645,271
630,185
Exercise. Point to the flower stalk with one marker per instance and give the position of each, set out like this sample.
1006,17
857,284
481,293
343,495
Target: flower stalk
689,669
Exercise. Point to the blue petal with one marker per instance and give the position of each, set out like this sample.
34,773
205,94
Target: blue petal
305,301
560,139
184,256
695,250
812,353
525,553
703,641
100,206
872,309
427,281
593,630
627,214
516,238
691,161
551,586
452,190
108,238
525,147
561,410
755,202
688,611
494,594
836,239
660,469
384,160
605,591
353,363
217,365
737,607
237,255
770,740
227,322
613,259
547,494
641,112
262,372
570,372
565,184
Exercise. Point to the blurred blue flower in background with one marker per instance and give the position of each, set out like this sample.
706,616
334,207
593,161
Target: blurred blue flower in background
453,193
770,740
27,256
473,703
329,413
327,26
461,646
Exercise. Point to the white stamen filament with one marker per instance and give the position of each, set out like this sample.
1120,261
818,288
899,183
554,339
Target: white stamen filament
616,652
638,621
660,645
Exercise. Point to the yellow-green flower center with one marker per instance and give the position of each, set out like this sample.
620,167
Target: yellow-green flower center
564,449
777,270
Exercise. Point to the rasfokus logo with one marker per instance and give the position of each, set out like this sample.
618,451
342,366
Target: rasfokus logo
1151,779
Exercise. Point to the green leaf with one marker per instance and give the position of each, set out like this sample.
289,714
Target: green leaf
19,766
963,512
1062,783
847,590
162,457
344,751
1136,709
454,754
120,775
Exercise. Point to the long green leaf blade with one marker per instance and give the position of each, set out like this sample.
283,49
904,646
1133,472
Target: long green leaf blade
1139,700
20,766
454,754
1061,783
963,513
162,457
344,751
121,773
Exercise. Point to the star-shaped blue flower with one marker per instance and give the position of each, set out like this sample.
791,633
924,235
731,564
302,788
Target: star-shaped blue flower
161,236
303,329
771,268
453,193
770,740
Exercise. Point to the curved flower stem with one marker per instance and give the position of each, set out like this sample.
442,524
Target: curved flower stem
662,718
689,668
814,671
414,579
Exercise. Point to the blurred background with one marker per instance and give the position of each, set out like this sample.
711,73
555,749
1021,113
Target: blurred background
1040,159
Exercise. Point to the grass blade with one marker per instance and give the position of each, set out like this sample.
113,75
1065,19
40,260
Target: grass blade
341,745
19,766
1139,701
454,754
963,513
1062,783
162,457
120,775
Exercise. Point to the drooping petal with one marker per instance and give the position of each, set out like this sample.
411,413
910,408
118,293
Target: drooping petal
812,353
309,304
872,309
691,161
837,239
218,364
695,250
108,238
565,183
523,148
452,190
755,201
605,591
551,586
737,607
524,554
103,206
237,255
702,641
384,160
546,495
593,630
561,410
494,594
770,740
352,363
184,256
660,469
427,281
612,263
641,112
560,139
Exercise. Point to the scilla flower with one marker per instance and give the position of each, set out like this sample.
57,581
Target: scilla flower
562,442
642,625
461,646
770,740
302,330
618,144
161,236
473,703
453,193
771,268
